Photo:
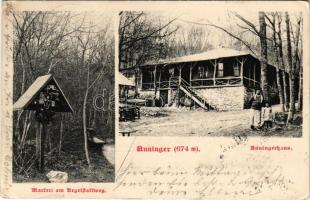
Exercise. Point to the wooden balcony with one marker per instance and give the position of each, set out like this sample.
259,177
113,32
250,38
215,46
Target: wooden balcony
160,85
195,83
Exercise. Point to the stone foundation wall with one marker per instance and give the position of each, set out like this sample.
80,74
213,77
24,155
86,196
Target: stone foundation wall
226,98
150,94
147,94
171,96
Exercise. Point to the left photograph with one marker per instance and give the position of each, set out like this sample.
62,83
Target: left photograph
63,94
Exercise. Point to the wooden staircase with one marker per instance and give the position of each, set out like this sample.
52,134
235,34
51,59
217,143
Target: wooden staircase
195,95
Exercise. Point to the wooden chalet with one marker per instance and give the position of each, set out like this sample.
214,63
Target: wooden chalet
222,79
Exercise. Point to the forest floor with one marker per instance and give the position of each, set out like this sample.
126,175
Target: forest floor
72,160
184,122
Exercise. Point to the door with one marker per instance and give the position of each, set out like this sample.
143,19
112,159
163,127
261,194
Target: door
164,96
186,73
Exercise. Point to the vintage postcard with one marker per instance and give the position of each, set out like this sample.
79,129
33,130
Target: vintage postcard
155,100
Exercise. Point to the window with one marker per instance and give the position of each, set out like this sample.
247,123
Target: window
207,73
201,72
147,76
220,70
236,70
171,71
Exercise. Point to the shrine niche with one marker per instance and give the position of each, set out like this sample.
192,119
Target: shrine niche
44,94
45,97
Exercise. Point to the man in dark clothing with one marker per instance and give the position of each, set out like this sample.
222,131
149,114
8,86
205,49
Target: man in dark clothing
256,102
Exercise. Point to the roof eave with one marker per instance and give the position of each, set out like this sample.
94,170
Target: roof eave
199,60
71,109
32,97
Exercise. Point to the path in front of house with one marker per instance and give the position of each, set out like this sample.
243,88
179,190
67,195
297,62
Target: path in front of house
108,151
180,122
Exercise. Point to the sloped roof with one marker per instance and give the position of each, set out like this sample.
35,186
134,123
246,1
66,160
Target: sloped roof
209,55
33,91
125,81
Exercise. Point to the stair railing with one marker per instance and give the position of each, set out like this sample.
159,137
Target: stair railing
192,89
196,93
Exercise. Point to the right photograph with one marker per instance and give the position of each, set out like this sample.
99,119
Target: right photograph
210,74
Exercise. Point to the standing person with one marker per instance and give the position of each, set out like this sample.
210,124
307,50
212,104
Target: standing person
256,105
267,116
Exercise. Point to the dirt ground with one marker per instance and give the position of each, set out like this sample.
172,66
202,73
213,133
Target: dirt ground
184,122
72,160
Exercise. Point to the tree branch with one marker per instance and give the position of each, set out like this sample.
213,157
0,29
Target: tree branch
227,32
150,34
250,24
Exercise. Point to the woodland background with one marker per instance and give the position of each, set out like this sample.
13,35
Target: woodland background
78,50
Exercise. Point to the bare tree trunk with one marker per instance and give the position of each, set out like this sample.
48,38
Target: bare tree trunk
84,119
264,58
25,131
27,125
279,85
90,117
17,129
155,85
136,82
49,139
290,70
93,124
296,63
280,91
285,92
300,96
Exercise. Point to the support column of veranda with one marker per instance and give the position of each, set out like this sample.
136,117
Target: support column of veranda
190,74
241,68
214,73
254,75
179,85
190,79
241,71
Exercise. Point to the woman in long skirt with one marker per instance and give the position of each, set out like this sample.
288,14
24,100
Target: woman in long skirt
256,102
